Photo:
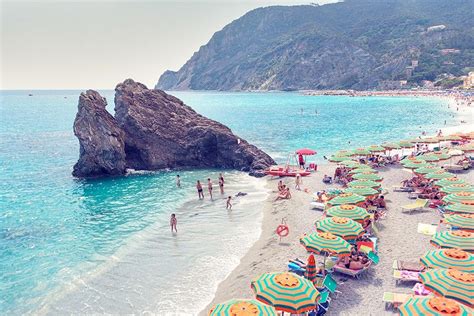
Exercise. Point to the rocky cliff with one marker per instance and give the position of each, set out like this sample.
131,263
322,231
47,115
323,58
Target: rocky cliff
354,44
153,130
101,140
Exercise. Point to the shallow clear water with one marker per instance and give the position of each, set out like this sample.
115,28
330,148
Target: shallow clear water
58,233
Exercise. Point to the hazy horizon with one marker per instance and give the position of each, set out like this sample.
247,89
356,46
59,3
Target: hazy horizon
63,45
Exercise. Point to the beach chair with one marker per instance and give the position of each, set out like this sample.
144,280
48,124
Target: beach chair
418,205
404,276
399,188
394,300
317,206
352,273
414,266
330,285
374,257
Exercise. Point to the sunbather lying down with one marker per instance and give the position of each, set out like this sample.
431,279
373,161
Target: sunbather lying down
356,261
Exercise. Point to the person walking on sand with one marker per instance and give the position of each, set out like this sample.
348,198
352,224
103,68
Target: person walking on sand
209,186
173,223
221,183
228,204
199,189
298,181
178,181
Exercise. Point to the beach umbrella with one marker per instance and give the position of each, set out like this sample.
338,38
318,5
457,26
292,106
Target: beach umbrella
454,239
362,170
376,148
441,155
461,221
413,163
406,144
460,208
360,152
242,307
455,152
326,243
364,183
459,197
338,158
466,147
391,146
438,175
367,176
306,152
362,190
450,283
342,227
449,258
433,306
428,169
469,135
343,153
311,270
346,198
457,187
450,137
351,164
356,213
449,181
286,292
429,158
429,140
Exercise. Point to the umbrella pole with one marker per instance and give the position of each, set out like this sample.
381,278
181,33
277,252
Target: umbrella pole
324,266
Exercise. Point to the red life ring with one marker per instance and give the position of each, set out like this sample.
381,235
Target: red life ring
282,230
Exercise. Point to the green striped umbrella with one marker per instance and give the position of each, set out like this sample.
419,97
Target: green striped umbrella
459,187
391,146
441,155
362,170
337,158
459,197
438,175
467,147
376,148
428,169
286,292
351,164
430,140
242,308
367,176
406,144
462,221
413,163
454,239
346,198
460,208
343,153
449,181
429,158
450,283
450,137
326,243
433,306
449,258
365,183
343,227
362,190
360,152
356,213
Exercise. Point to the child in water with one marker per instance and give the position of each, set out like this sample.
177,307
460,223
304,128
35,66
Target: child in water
173,222
228,205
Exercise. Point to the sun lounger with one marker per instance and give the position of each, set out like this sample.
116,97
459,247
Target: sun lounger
399,188
317,206
453,168
418,205
401,276
427,229
415,266
352,273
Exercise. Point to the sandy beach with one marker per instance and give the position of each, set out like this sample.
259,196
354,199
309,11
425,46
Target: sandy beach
397,233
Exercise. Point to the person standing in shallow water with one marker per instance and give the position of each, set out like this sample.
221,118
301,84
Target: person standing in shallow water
199,189
209,186
229,204
173,223
178,181
221,183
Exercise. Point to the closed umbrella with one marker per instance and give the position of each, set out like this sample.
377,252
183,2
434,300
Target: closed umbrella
286,292
450,283
454,239
462,221
449,258
241,307
433,306
311,270
346,198
356,213
342,227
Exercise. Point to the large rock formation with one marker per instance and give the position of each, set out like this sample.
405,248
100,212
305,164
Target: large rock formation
102,148
153,130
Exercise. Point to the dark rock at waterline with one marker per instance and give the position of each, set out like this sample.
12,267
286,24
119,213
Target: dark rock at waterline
153,130
102,147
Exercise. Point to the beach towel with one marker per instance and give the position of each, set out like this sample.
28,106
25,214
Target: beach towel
410,266
426,229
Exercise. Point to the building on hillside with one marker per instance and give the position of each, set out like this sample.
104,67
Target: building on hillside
468,81
409,71
435,28
414,63
448,51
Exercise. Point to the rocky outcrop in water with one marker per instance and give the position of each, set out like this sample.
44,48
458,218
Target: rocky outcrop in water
102,147
154,130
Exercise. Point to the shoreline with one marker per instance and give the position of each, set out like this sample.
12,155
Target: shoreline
266,253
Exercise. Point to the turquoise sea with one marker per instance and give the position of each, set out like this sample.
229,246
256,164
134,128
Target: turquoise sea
69,245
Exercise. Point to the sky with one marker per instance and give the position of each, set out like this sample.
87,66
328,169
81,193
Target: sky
86,44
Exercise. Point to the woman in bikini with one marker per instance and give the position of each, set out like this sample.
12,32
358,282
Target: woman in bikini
209,186
221,183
